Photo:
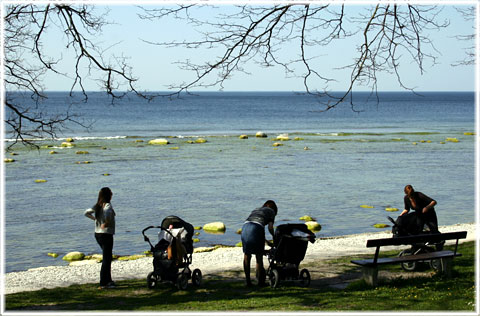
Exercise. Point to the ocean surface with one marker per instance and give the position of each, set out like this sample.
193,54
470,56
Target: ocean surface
342,159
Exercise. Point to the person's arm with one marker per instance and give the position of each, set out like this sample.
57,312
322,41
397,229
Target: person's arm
407,206
270,228
426,200
429,206
89,213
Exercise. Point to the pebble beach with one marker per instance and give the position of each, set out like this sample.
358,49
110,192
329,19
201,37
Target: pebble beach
221,259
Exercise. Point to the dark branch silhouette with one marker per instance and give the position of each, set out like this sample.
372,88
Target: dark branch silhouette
27,62
385,33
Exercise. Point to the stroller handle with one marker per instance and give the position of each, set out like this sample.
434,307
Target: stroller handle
391,220
145,237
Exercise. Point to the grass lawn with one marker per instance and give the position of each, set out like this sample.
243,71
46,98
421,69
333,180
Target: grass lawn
420,291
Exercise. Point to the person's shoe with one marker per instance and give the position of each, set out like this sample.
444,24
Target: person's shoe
110,285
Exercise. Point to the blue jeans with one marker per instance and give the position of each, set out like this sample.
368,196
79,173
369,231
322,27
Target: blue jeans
106,243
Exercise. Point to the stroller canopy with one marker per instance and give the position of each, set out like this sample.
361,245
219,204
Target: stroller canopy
177,222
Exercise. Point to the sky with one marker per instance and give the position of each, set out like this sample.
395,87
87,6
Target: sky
156,67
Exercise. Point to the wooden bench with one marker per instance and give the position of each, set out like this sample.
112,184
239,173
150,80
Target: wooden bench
370,266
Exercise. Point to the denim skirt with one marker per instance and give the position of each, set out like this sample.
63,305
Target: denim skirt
253,238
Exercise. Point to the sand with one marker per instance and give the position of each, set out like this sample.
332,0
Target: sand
221,259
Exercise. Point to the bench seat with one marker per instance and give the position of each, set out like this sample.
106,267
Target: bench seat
370,266
409,258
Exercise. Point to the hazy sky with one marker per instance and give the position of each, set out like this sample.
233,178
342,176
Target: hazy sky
156,69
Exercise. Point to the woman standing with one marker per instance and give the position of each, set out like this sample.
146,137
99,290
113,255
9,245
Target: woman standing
104,216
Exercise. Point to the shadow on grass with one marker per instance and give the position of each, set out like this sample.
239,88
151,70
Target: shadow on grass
227,292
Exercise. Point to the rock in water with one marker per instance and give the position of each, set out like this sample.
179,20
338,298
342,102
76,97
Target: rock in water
159,141
215,227
74,256
314,227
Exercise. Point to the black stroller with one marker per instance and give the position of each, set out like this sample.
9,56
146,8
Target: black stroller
288,250
172,255
408,225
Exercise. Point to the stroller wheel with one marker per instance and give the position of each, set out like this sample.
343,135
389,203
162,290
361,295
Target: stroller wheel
197,277
407,266
274,278
152,280
304,277
436,264
182,282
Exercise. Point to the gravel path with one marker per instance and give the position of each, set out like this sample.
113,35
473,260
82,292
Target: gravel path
221,259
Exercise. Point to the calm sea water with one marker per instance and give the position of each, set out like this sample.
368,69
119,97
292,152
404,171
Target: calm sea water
352,158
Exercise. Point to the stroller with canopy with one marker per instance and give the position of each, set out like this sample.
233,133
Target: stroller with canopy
410,225
172,255
290,243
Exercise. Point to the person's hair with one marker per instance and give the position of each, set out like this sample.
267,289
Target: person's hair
271,204
104,196
409,190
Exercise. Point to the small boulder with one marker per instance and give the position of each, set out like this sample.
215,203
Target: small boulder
159,141
452,139
82,152
8,160
366,206
277,144
200,140
261,135
215,227
282,137
306,218
381,225
391,209
313,226
74,256
69,140
243,136
40,181
52,254
67,145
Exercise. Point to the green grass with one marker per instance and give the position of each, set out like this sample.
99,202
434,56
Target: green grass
227,293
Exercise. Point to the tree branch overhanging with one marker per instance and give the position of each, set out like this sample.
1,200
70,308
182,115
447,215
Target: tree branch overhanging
388,35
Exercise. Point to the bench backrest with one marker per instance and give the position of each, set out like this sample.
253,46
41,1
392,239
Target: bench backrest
409,240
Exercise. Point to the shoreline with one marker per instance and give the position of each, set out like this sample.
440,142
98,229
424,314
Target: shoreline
220,259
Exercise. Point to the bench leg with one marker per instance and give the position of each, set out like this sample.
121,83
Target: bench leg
370,275
447,266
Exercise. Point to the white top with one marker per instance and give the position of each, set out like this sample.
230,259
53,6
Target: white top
107,217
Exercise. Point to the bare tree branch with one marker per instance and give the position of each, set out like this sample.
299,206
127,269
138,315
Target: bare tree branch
27,62
386,34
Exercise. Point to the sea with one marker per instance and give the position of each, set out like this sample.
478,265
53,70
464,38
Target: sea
343,167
